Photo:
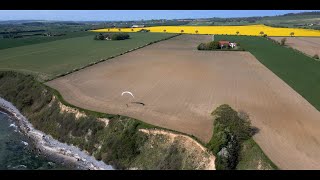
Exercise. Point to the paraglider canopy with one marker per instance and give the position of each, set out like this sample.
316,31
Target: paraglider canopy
127,92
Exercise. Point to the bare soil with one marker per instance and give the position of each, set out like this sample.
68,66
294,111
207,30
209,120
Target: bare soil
180,86
307,45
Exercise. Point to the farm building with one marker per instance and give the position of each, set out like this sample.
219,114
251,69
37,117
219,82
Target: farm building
137,26
227,44
233,45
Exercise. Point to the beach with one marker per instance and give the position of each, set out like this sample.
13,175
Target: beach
51,148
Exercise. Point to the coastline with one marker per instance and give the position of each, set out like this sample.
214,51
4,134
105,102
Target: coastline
51,148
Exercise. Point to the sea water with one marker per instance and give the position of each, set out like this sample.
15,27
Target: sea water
17,152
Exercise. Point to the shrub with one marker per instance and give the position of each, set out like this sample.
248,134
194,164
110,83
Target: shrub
144,30
201,46
292,34
122,143
99,36
208,46
173,159
213,45
283,41
120,36
316,56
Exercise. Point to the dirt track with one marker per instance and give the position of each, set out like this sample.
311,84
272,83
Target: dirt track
307,45
180,86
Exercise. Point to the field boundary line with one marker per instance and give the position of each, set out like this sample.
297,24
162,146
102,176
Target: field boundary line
111,57
294,49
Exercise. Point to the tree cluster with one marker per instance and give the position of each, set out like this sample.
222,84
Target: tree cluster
111,36
209,46
230,130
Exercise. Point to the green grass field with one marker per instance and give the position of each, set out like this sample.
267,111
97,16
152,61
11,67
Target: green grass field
299,71
11,43
52,58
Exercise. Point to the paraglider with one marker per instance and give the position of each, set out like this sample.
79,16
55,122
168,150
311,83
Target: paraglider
127,92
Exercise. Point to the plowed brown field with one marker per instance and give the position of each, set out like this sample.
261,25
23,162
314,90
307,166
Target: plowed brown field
307,45
180,86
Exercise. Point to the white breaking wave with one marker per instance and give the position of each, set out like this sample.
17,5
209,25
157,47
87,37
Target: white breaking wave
20,166
25,143
13,125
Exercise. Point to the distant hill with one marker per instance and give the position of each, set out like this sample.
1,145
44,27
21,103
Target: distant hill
302,13
301,20
298,20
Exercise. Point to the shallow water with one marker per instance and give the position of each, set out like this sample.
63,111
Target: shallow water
17,152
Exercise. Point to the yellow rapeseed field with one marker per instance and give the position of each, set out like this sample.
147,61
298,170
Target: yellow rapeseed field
253,30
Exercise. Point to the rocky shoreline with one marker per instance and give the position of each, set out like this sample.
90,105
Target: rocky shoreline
53,149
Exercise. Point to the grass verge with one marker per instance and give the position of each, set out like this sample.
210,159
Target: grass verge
252,157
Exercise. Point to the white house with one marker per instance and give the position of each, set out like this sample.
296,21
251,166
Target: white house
232,45
137,26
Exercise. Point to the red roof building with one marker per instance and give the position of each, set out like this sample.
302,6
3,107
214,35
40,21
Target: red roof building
224,43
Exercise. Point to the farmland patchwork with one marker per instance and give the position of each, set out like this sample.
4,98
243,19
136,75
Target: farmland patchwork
180,86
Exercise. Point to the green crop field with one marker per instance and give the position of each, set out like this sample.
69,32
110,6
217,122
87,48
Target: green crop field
47,60
300,72
10,43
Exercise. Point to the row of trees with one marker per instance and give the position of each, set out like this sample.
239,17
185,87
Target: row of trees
16,35
112,36
11,36
182,31
263,34
196,31
16,31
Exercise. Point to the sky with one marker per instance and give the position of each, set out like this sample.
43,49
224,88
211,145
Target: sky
126,15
